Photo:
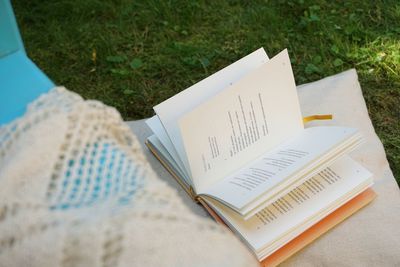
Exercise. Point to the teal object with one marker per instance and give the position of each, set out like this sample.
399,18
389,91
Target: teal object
21,81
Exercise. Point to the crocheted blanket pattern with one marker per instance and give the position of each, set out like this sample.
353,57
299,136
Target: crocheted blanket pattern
76,190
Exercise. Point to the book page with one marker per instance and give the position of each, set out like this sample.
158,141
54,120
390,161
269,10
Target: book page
165,158
155,125
172,109
259,179
244,121
319,195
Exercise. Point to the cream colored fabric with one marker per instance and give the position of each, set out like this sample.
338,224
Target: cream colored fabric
76,190
371,237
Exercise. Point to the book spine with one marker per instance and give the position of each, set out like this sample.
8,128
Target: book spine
189,190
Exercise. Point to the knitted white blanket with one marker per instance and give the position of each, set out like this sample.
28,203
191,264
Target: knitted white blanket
76,190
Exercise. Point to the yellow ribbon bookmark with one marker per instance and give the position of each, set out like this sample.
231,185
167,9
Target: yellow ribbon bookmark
317,117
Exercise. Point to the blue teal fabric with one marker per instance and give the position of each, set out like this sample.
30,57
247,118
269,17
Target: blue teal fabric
21,81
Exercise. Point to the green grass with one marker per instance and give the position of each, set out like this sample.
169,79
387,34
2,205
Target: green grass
134,54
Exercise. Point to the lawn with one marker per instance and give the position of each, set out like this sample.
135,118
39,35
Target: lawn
134,54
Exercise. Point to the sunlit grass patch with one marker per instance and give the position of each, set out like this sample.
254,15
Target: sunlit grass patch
134,54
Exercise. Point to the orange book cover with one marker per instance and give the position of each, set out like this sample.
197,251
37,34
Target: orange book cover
315,231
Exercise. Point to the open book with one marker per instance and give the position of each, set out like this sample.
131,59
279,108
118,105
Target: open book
236,142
